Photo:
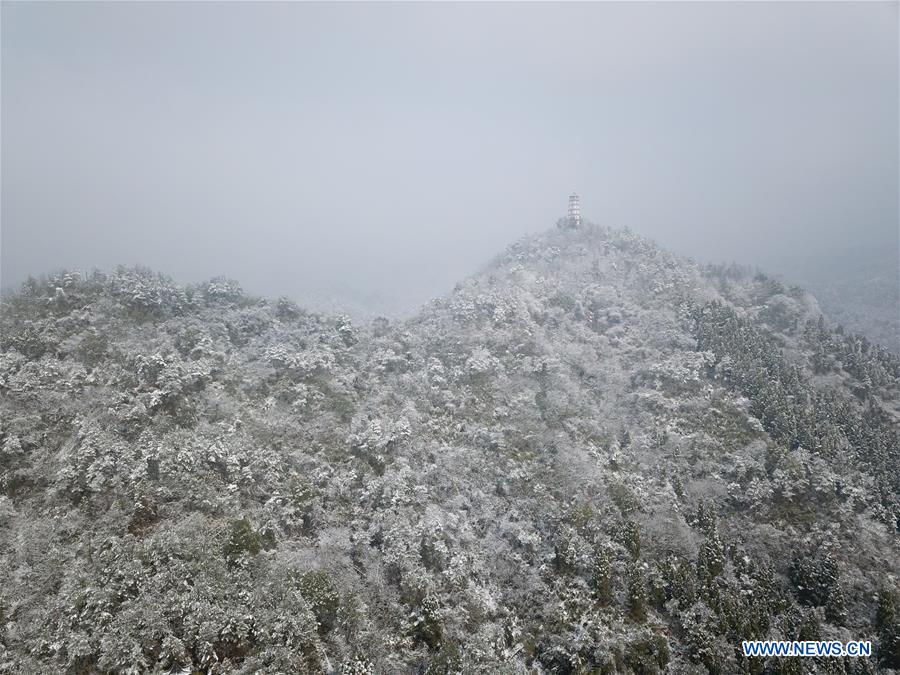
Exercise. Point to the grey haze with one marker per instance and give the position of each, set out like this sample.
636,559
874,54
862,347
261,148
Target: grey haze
377,153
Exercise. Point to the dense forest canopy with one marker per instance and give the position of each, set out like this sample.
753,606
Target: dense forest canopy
593,456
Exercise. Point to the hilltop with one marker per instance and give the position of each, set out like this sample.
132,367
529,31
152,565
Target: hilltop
592,456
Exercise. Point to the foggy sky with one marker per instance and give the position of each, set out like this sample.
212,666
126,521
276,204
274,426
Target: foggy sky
388,150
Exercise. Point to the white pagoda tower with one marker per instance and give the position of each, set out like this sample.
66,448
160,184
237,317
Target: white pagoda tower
574,214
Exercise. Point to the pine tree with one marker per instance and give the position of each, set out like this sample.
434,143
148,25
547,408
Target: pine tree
630,538
637,593
887,623
603,577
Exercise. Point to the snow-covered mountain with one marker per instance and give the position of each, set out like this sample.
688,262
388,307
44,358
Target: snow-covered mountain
593,456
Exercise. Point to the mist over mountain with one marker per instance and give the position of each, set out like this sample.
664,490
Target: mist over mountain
860,290
335,151
592,456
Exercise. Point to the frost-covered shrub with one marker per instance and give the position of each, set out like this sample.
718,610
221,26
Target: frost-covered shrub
677,373
193,342
92,349
147,295
358,666
221,290
346,330
320,591
287,310
30,342
317,361
816,580
386,360
242,540
168,385
426,624
481,362
648,653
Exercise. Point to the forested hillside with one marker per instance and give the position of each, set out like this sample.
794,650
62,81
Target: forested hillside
592,457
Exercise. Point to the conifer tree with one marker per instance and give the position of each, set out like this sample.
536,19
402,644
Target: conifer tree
637,593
